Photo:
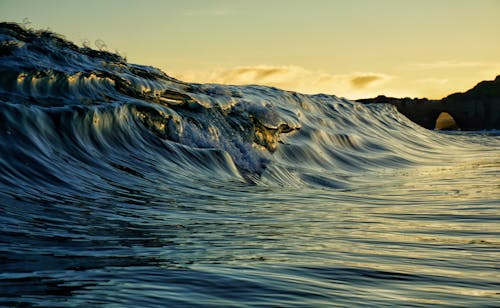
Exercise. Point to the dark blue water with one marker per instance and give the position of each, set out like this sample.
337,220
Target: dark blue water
122,186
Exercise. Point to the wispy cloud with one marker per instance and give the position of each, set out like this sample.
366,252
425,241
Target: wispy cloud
364,81
294,78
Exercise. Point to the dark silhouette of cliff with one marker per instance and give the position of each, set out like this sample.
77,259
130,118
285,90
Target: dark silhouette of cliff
475,109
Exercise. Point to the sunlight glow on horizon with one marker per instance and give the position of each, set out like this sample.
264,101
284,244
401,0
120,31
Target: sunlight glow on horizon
353,49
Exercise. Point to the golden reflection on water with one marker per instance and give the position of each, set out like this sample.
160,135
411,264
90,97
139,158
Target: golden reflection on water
425,220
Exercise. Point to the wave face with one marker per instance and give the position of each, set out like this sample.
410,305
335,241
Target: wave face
122,185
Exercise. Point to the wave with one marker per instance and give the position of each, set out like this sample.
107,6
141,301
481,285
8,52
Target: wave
120,184
73,116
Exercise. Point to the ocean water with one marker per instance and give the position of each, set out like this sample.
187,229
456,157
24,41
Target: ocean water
122,186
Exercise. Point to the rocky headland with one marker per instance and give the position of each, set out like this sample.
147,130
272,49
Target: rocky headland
475,109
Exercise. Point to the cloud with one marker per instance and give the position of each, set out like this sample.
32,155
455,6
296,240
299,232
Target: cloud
294,78
365,80
258,73
253,74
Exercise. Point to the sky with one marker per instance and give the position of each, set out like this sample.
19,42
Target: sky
350,48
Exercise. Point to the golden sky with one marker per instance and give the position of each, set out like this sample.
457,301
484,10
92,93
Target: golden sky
350,48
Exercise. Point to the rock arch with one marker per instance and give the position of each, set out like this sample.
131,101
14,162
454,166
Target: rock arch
445,121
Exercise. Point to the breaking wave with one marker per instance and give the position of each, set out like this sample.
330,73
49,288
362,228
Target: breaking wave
93,150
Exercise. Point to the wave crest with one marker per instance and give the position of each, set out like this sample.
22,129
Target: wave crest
91,105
